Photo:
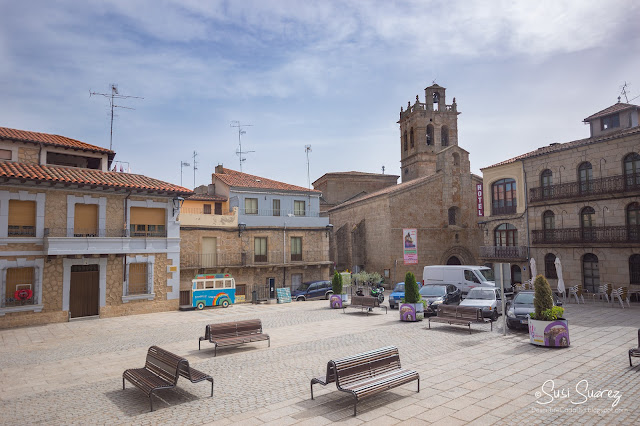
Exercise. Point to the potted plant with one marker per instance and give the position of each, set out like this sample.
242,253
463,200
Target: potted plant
336,299
546,325
412,308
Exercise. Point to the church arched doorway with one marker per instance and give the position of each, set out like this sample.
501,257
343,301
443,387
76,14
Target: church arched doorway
453,260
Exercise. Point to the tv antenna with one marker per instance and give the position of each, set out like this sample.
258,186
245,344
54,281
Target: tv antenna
183,164
623,92
112,97
307,149
195,167
241,132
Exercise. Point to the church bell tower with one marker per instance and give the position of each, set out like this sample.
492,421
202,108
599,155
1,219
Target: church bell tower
426,129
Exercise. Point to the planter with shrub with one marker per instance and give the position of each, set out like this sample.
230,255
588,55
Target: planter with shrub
412,308
338,297
546,325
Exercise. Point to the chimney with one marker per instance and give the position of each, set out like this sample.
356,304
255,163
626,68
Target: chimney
219,168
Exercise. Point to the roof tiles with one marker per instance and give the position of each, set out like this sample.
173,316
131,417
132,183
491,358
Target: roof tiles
47,139
620,106
243,180
92,177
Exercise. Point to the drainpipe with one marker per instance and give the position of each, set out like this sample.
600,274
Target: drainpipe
284,255
124,259
526,214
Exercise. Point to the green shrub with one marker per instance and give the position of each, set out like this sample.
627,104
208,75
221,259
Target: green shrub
542,298
549,314
411,291
336,283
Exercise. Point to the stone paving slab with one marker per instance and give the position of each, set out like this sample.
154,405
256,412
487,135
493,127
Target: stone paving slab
71,373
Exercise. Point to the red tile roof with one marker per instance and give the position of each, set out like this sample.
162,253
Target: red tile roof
567,145
610,110
47,139
206,197
244,180
78,176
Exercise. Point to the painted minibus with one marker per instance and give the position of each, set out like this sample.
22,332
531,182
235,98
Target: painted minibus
213,290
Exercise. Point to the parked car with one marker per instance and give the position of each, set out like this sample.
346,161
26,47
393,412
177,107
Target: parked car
465,277
519,309
439,294
396,296
313,290
488,299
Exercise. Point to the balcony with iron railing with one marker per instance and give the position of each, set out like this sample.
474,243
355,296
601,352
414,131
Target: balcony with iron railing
504,210
198,217
594,187
293,218
591,235
504,252
64,241
251,258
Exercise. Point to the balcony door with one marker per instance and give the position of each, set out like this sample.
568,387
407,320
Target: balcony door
633,222
506,239
209,252
590,273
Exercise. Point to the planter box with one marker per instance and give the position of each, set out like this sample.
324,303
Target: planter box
411,312
335,301
549,333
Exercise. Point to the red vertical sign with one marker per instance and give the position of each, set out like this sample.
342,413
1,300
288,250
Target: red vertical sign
480,202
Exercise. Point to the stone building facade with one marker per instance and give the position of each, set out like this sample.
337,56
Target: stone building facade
269,235
77,240
577,201
340,187
436,198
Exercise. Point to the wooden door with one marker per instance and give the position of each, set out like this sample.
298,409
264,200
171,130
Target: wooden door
209,246
84,291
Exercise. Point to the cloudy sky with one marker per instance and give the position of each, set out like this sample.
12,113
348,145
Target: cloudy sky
330,74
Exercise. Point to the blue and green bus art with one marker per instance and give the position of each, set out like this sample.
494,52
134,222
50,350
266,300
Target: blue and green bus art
213,290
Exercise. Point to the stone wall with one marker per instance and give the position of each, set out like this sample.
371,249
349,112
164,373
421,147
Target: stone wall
28,155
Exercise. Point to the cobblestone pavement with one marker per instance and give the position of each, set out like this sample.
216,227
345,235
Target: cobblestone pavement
71,373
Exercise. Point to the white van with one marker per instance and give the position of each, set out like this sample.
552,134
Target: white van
465,277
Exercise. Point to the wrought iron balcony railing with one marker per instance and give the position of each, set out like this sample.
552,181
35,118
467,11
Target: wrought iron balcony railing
495,210
501,252
596,234
607,185
100,233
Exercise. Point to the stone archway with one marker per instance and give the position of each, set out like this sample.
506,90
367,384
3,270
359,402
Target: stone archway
453,260
463,254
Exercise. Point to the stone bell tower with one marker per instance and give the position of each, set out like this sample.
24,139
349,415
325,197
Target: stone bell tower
426,129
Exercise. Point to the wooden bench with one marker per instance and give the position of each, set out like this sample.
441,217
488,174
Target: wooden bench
364,302
367,374
234,333
161,371
635,352
459,315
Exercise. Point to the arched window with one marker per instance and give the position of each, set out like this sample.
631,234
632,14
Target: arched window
585,177
506,235
406,147
633,222
503,193
548,225
587,223
444,136
590,273
454,214
632,170
411,138
550,266
456,159
430,134
516,275
634,269
546,180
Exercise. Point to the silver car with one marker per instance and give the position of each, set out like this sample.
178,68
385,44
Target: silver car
488,299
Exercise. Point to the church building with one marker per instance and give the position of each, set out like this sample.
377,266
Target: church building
429,218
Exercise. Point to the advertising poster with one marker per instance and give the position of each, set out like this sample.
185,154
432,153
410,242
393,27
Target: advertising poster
410,246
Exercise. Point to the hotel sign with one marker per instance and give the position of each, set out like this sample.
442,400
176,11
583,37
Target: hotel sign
480,203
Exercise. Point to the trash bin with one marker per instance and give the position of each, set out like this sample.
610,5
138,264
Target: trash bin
254,297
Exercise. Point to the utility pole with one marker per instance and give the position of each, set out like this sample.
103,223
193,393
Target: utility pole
183,164
307,149
195,167
241,132
112,97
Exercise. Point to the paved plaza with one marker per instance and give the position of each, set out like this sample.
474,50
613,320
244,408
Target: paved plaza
71,373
